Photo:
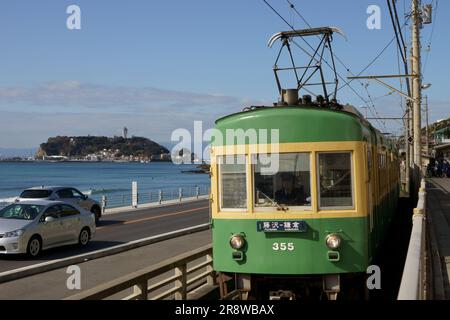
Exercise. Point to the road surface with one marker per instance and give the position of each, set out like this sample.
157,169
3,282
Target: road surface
120,228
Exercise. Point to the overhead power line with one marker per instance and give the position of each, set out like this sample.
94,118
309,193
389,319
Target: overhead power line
347,83
436,7
326,62
394,25
370,103
402,48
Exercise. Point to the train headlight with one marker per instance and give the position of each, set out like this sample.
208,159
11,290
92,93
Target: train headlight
237,241
333,241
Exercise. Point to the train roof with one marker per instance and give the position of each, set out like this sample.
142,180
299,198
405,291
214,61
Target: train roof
307,124
347,108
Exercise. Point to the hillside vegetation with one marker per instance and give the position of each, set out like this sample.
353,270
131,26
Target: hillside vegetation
83,146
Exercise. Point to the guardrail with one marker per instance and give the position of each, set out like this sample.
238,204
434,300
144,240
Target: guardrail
145,196
413,284
153,196
185,281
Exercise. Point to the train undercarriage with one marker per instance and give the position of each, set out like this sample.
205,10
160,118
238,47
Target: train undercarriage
308,288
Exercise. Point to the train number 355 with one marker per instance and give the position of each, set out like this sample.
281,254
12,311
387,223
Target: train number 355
283,246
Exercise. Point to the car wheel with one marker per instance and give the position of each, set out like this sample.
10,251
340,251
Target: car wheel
97,213
84,237
34,246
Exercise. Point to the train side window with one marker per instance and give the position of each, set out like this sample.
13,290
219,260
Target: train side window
233,182
289,185
335,180
369,164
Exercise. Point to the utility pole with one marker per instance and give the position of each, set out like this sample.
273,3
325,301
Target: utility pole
412,122
417,94
411,132
427,147
410,113
406,136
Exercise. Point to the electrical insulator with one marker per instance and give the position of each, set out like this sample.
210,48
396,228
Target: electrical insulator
427,14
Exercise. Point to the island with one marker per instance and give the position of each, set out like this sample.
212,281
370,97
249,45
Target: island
100,148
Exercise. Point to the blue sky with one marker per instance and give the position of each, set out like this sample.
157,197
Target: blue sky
155,66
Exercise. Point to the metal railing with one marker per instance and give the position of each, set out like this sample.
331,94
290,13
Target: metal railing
177,278
153,196
145,196
413,284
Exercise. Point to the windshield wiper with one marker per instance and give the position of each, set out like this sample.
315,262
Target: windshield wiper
335,184
272,201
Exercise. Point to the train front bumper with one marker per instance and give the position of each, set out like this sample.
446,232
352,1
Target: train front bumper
291,253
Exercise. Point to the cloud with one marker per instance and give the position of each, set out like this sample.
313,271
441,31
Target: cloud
29,129
32,114
73,94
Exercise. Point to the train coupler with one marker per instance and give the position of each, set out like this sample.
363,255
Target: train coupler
281,295
332,285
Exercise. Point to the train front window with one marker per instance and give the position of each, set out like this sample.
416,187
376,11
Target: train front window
233,182
289,186
335,180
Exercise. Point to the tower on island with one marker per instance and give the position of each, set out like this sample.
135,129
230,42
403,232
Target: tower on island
125,132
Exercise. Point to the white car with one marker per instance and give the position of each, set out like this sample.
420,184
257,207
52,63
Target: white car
66,194
30,226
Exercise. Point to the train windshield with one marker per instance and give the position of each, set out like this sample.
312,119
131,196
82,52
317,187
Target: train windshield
289,185
335,180
233,186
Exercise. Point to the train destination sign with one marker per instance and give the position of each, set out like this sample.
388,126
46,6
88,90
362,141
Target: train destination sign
281,226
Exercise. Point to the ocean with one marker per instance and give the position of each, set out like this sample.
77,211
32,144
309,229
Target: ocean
101,178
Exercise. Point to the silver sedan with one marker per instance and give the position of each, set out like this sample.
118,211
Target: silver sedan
66,194
31,226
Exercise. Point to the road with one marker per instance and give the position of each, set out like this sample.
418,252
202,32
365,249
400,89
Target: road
120,228
53,284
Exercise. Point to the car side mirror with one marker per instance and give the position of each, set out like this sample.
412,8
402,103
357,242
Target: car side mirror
49,219
84,197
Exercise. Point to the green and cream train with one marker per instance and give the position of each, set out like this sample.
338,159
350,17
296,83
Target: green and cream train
312,225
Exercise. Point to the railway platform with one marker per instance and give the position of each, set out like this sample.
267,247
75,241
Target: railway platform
438,216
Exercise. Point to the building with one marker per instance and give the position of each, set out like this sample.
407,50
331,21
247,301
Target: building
443,135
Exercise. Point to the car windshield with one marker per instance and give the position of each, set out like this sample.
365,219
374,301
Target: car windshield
21,211
35,194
